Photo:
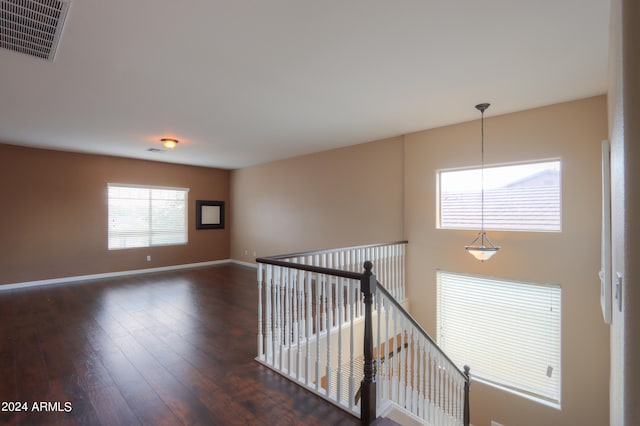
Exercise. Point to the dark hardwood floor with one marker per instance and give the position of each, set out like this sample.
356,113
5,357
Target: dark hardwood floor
159,349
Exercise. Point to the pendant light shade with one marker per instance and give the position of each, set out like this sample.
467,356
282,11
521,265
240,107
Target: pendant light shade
482,248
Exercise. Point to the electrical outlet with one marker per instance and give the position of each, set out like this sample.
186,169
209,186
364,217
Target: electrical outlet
246,252
254,254
149,258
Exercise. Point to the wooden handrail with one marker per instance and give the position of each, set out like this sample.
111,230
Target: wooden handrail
311,268
315,252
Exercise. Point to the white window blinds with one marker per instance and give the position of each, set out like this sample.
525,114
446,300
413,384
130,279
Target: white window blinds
144,216
518,197
508,332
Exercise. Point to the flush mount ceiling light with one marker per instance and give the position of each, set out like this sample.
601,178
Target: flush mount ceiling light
169,143
482,248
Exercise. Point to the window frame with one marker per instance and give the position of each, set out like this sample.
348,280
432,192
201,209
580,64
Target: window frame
150,233
488,227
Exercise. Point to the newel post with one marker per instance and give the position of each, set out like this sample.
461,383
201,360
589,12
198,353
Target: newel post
368,385
467,385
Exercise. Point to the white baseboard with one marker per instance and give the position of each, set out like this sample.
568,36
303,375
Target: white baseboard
243,263
26,284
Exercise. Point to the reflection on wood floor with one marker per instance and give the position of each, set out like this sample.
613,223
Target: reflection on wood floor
165,348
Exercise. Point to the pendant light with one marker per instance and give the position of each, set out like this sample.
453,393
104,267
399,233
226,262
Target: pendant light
482,248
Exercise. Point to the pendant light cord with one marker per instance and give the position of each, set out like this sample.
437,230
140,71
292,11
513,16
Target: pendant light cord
482,179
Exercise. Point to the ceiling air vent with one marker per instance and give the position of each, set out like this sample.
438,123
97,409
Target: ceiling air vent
32,27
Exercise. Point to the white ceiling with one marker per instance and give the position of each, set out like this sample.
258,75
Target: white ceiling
241,82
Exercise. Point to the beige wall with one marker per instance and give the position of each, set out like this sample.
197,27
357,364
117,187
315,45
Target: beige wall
53,220
624,130
572,132
325,200
380,191
336,198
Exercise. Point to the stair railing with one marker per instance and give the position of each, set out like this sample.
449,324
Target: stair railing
388,259
413,371
342,335
310,328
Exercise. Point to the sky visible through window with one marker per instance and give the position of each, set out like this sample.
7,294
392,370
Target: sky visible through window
494,176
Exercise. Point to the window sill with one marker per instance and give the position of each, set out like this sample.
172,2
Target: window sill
540,400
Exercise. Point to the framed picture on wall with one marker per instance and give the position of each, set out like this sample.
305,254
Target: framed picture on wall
209,214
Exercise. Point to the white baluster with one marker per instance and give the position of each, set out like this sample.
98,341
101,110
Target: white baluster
445,390
324,293
377,255
452,392
293,328
395,383
423,376
389,349
440,390
384,271
276,317
436,396
414,395
403,363
302,323
432,393
309,297
461,384
328,306
394,270
260,334
294,305
389,265
453,407
342,287
384,259
269,315
284,309
409,369
319,280
460,401
402,273
352,391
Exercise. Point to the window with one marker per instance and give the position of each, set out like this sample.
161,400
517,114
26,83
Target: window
517,197
508,332
144,216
